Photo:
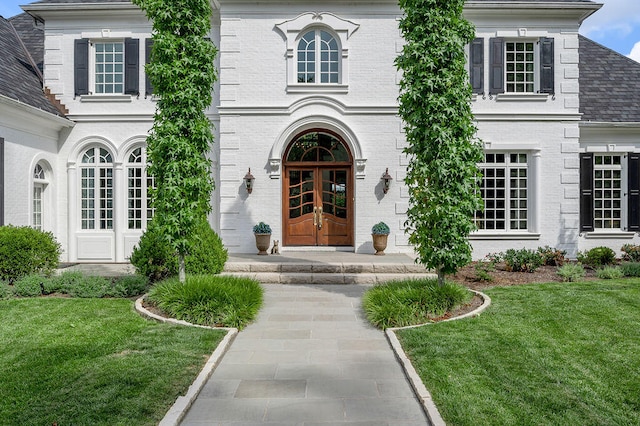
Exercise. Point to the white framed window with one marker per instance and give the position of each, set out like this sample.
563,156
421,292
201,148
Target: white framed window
96,189
520,66
318,58
38,201
139,210
108,66
505,192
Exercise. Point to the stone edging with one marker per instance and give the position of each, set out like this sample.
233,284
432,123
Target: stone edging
420,390
179,408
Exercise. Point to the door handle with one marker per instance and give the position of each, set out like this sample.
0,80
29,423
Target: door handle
319,217
315,217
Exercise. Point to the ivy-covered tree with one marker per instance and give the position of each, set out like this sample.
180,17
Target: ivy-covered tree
435,105
182,73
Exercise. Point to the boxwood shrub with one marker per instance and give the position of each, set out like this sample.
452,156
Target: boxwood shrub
25,251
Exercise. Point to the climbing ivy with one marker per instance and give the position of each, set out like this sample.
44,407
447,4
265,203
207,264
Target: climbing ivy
435,95
182,73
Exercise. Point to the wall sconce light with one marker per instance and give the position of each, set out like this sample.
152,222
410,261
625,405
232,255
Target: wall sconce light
386,181
248,181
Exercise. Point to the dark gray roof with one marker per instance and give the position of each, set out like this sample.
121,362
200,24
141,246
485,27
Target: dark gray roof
609,84
32,35
18,78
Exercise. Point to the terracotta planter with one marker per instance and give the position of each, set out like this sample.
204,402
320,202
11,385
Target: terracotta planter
263,241
379,243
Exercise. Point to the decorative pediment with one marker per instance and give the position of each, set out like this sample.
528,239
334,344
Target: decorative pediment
291,28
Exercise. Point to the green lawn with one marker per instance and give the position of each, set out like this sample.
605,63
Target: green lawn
93,361
550,354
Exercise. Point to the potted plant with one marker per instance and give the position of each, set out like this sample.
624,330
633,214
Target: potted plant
379,233
262,231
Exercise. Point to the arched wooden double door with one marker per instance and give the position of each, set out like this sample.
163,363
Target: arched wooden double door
318,191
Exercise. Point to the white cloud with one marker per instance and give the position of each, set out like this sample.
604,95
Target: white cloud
635,52
616,17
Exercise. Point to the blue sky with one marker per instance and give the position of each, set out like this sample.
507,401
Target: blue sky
616,25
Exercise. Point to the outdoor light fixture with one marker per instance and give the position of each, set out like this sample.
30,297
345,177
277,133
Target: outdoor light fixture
248,181
386,181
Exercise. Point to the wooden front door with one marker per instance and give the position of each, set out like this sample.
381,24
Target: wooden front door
318,192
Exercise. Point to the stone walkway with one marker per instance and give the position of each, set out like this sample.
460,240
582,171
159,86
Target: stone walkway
310,359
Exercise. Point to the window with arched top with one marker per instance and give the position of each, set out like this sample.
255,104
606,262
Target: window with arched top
318,58
96,189
139,210
38,206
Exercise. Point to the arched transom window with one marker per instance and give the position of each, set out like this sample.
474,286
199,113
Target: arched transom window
96,188
139,210
318,58
39,184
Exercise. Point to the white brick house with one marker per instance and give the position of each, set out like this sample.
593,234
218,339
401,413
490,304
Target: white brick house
307,101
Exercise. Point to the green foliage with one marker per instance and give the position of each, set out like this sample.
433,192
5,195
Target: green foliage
552,256
484,267
609,273
571,272
411,302
6,291
631,269
597,257
261,228
209,300
25,251
182,74
29,286
631,252
380,228
522,260
435,96
153,257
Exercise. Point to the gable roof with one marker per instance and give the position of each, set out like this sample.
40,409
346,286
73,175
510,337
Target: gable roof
609,84
32,35
19,78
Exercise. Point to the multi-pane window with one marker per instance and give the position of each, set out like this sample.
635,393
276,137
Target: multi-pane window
607,191
96,186
520,67
139,210
109,67
504,190
39,184
318,58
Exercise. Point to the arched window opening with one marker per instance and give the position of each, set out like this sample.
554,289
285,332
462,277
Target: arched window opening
39,185
139,184
96,189
318,58
318,147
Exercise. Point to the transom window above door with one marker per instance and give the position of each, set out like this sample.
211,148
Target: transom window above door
318,147
318,58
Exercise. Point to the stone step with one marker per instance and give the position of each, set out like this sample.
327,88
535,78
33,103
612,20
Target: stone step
327,277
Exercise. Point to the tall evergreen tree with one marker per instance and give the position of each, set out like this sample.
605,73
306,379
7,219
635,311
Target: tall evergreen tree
435,105
182,73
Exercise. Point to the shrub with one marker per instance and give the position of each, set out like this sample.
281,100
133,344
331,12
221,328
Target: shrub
6,291
153,257
597,257
523,260
609,273
89,286
485,266
129,286
571,272
30,285
631,252
25,251
63,282
261,228
552,256
411,302
631,269
380,228
209,300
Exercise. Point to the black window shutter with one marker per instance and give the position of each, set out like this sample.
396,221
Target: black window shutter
81,67
633,185
547,80
131,75
476,65
496,65
586,192
148,44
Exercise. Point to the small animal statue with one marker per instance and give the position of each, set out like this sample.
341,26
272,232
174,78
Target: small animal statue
276,247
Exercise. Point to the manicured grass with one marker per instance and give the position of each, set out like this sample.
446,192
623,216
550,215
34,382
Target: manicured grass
411,302
552,354
93,361
209,299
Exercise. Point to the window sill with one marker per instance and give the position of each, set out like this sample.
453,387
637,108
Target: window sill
105,98
609,234
317,88
483,235
522,97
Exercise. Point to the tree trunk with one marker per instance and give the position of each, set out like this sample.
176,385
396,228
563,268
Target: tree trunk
440,277
182,274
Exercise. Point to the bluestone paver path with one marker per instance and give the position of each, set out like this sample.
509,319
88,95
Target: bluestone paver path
309,359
